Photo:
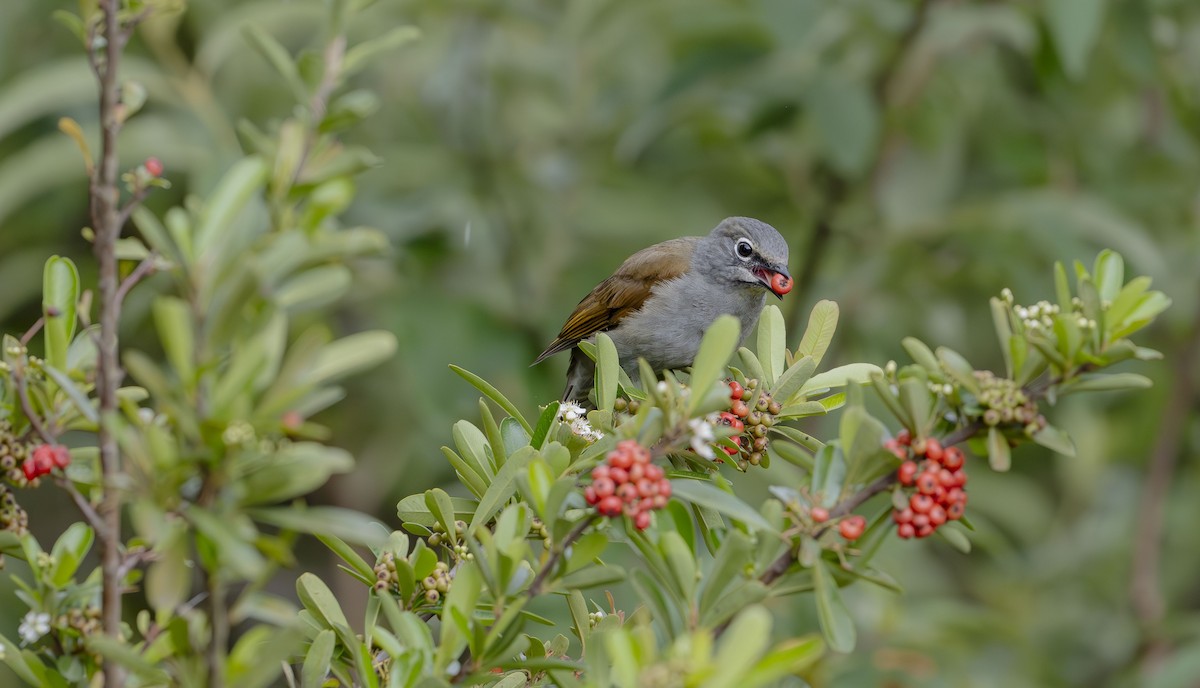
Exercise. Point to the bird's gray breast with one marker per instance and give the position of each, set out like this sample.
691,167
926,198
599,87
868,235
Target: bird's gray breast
667,330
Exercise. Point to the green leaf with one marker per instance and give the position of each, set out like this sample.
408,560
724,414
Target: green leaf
841,376
743,645
331,521
789,658
794,378
706,494
923,356
999,453
60,292
728,568
216,223
1003,333
502,487
608,365
832,614
472,445
1075,26
294,470
317,660
232,548
772,343
494,394
347,554
681,562
957,538
1062,287
822,323
80,400
1055,440
350,355
1109,272
361,54
716,347
413,509
169,577
68,552
1102,382
173,320
320,601
278,57
542,429
959,369
121,653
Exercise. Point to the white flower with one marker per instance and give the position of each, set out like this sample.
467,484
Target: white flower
34,626
1021,312
575,417
570,411
1006,294
453,668
702,437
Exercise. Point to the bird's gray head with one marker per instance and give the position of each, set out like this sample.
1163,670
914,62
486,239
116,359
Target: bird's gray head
747,252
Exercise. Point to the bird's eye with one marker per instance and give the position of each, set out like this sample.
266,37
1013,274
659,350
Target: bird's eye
744,248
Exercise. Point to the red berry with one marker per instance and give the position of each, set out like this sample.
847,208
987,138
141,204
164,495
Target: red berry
920,521
939,496
937,516
955,511
947,479
30,469
637,473
735,390
906,530
627,492
654,472
641,455
904,436
891,444
642,520
907,473
925,531
960,477
589,495
739,409
664,489
927,483
604,487
729,450
933,449
619,475
781,284
903,516
647,488
852,528
953,458
819,514
601,471
955,495
921,503
154,167
620,459
659,500
609,506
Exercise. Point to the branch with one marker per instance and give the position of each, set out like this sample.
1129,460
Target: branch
139,195
85,507
556,553
144,268
35,421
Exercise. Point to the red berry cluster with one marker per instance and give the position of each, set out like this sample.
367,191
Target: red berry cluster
939,480
45,458
627,483
852,527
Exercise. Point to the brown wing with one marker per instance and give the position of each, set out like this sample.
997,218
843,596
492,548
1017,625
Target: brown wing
624,292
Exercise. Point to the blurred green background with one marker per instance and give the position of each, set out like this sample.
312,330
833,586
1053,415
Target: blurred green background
918,156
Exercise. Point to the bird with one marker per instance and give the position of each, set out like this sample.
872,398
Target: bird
660,301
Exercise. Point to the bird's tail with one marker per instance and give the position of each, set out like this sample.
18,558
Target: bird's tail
580,375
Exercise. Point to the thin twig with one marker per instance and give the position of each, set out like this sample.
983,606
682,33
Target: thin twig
139,195
556,553
144,268
33,330
34,419
85,507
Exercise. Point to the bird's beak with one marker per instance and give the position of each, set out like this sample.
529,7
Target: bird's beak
776,278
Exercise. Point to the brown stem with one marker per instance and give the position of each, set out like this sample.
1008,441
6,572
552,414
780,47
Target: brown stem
556,553
144,268
35,421
1145,586
105,220
33,329
85,507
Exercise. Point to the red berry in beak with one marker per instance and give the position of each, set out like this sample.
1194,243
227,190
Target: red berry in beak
780,284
